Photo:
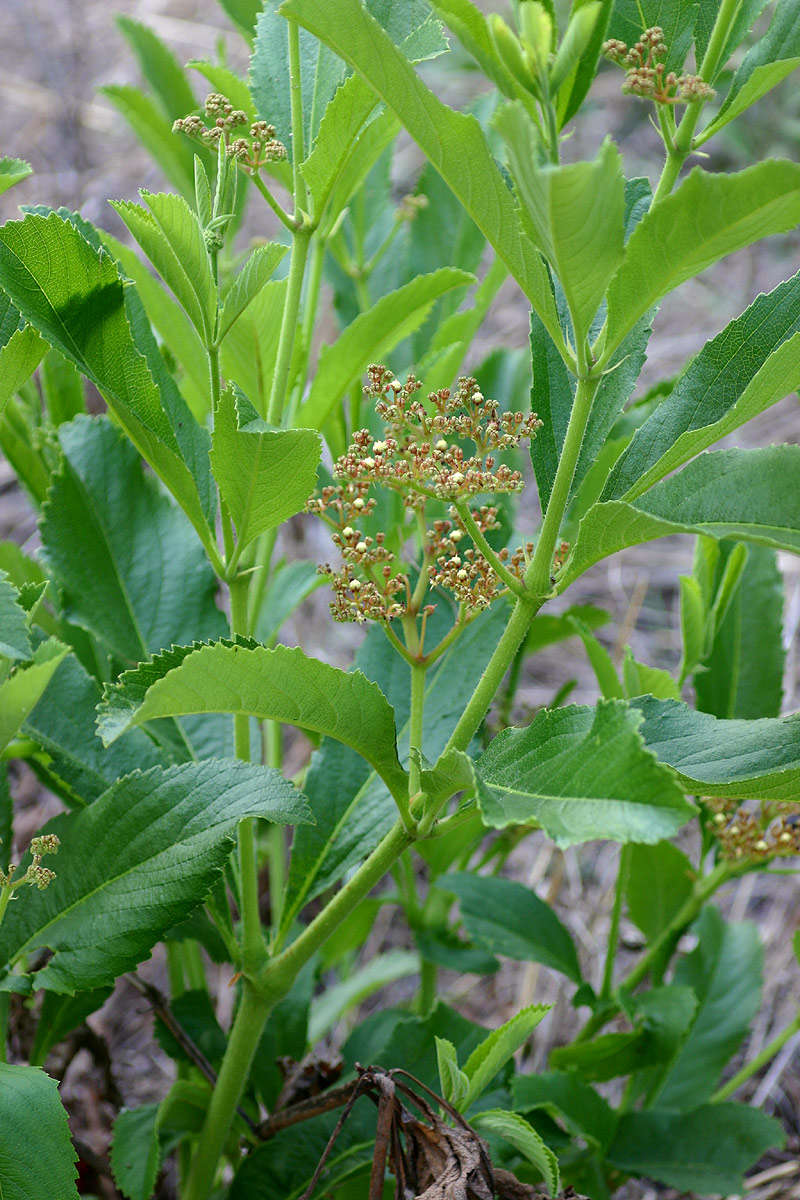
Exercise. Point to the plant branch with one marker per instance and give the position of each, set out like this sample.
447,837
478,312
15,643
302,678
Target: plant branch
468,521
754,1066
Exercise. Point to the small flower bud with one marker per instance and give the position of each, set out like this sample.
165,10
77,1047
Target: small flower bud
46,843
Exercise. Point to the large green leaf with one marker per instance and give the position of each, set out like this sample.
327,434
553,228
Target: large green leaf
21,690
250,349
708,217
703,1151
750,365
453,142
751,495
282,684
135,863
762,80
581,773
714,757
724,972
352,807
248,282
131,570
563,1095
74,762
37,1158
265,475
748,13
575,214
630,18
742,676
659,880
72,293
510,919
774,54
371,336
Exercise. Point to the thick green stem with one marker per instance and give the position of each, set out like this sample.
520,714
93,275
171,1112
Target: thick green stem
312,292
291,310
616,913
296,97
6,892
415,727
280,212
471,526
754,1066
242,1043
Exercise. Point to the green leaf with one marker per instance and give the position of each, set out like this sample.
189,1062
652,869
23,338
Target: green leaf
706,1150
575,214
256,272
243,14
74,763
223,80
159,67
574,89
13,170
752,495
73,294
357,986
748,13
705,219
160,835
762,81
548,629
37,1158
563,1095
6,818
660,878
290,584
453,142
174,154
135,1151
602,664
630,18
19,358
725,974
510,919
694,620
455,334
59,1015
641,680
62,388
582,773
265,475
371,336
742,674
397,1036
513,1128
489,1058
714,757
747,367
280,684
14,639
249,351
356,811
132,572
781,42
471,28
172,239
452,1080
21,690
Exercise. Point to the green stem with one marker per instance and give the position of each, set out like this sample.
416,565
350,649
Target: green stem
754,1066
6,893
471,526
242,1043
276,843
4,1007
296,97
415,727
616,913
279,211
263,557
291,310
428,979
312,291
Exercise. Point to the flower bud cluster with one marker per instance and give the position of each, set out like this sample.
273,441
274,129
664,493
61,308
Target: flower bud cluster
416,457
36,875
646,73
742,835
252,150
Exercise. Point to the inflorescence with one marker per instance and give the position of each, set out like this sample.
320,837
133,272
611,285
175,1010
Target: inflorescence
36,875
419,456
745,835
646,73
252,150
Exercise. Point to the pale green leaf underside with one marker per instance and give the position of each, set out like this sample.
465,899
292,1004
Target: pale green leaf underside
282,684
135,863
581,773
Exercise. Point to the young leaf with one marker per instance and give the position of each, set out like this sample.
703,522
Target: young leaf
747,367
494,1052
132,572
226,81
249,281
280,685
265,476
763,80
510,919
20,691
641,680
135,1151
659,881
371,336
73,294
582,773
752,495
575,214
452,1080
37,1158
513,1128
14,639
705,1150
708,217
19,358
13,170
357,986
725,974
574,89
160,836
780,43
453,142
290,584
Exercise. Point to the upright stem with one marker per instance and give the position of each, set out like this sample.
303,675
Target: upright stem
754,1066
415,727
291,310
296,97
616,913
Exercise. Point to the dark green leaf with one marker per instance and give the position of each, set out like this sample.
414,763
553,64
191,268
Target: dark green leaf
14,639
59,1015
630,18
660,879
37,1158
135,1151
564,1096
